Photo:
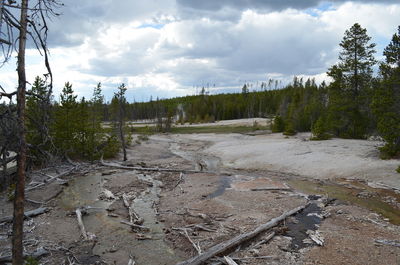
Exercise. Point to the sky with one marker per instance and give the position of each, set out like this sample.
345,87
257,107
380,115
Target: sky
169,48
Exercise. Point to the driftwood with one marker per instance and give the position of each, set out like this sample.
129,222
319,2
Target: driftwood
115,165
196,246
393,243
179,181
134,225
132,215
51,179
80,223
224,246
265,240
37,254
230,261
32,213
131,260
270,188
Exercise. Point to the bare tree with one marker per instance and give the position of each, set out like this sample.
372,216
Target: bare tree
32,17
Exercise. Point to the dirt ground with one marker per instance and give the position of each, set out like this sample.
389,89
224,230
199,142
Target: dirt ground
205,208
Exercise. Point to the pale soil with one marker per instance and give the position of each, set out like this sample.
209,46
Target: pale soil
336,158
225,195
238,122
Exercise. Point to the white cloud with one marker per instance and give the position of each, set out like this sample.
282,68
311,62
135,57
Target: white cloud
163,48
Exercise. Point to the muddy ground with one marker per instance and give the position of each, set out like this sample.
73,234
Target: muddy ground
349,217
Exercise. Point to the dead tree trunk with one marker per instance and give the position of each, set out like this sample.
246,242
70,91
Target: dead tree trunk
18,224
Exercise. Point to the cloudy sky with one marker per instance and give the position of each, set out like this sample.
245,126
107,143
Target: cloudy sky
167,48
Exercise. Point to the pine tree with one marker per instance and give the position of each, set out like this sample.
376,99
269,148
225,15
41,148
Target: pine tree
95,131
350,90
386,101
65,124
38,111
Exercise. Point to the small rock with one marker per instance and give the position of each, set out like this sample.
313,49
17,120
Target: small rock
113,249
254,252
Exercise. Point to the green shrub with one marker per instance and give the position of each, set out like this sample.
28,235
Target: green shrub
11,192
388,151
32,261
143,137
278,125
112,147
319,130
289,130
398,169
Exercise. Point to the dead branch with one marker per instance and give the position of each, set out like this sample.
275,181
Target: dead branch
32,213
115,165
37,254
195,246
393,243
270,188
229,260
132,215
224,246
135,226
179,181
80,223
131,260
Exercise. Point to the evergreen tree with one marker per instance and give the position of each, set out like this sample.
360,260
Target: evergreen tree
386,101
95,131
38,110
65,124
350,90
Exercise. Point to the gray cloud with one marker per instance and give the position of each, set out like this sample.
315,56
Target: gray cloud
213,5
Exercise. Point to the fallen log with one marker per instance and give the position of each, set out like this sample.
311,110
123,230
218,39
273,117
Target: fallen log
80,223
37,254
271,189
224,246
135,225
32,213
115,165
393,243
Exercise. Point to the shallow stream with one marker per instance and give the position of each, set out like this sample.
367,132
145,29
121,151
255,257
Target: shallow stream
85,191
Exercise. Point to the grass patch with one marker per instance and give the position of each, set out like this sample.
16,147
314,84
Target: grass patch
206,129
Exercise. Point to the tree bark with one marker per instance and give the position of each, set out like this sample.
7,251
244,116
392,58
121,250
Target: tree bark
17,245
121,126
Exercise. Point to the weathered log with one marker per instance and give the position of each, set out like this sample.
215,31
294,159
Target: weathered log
37,254
393,243
224,246
132,215
32,213
230,261
134,225
270,188
131,261
115,165
80,223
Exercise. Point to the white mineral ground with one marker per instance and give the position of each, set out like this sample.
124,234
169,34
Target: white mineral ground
335,158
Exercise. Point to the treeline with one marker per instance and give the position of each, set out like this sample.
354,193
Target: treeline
356,104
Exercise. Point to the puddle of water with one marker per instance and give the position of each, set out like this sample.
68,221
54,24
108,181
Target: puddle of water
374,201
224,183
84,191
152,251
304,222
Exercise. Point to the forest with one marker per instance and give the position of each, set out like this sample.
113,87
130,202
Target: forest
359,102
